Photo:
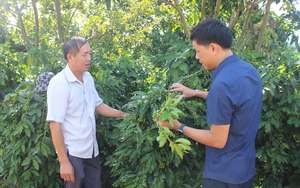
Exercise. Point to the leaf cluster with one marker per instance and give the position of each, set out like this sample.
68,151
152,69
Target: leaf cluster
169,112
139,160
28,157
278,136
139,49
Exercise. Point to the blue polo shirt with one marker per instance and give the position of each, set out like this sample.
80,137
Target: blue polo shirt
235,98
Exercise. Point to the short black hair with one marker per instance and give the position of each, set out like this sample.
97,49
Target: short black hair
73,46
212,31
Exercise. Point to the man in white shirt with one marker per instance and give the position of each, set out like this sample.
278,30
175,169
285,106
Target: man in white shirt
72,101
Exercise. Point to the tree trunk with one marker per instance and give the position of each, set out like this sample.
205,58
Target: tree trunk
236,15
183,22
248,10
217,9
71,17
59,21
263,26
203,14
185,26
36,17
21,25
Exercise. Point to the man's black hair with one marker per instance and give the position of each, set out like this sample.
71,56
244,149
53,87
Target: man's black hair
73,46
212,31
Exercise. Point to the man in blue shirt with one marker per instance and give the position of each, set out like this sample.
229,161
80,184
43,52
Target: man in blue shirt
234,104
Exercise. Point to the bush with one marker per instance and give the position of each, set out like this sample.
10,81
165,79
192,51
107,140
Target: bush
129,149
28,158
278,159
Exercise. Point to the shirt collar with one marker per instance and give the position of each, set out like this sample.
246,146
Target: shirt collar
71,77
225,62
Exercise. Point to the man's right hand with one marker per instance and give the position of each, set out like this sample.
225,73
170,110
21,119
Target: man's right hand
187,92
67,171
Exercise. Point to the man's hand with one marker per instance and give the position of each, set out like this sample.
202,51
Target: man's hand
67,171
108,111
176,124
187,92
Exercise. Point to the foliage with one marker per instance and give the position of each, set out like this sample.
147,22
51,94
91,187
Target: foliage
28,158
123,29
18,65
115,81
169,112
278,137
139,50
139,161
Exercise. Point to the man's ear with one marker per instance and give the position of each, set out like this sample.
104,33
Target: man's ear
69,57
214,47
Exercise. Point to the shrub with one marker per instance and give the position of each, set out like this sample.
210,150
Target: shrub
28,158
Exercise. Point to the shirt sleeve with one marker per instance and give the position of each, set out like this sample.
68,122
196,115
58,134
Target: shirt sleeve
220,105
57,101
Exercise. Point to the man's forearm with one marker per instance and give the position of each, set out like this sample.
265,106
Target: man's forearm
108,111
201,94
58,141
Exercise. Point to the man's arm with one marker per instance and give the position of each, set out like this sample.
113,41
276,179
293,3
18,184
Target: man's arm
215,137
188,92
108,111
200,94
66,168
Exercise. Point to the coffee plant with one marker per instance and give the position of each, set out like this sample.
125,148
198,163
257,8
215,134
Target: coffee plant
141,161
169,112
28,157
278,162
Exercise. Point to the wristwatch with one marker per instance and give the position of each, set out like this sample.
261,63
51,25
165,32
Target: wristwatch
181,128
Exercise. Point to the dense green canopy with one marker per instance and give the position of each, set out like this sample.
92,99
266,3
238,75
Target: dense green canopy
141,47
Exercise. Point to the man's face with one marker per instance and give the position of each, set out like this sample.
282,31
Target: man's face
204,53
82,61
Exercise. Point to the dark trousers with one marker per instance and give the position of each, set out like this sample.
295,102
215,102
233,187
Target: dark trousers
211,183
87,173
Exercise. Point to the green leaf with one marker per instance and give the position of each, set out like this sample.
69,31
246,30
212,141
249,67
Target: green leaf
165,116
44,150
170,120
29,124
26,161
286,145
185,147
178,150
161,140
27,132
183,141
35,164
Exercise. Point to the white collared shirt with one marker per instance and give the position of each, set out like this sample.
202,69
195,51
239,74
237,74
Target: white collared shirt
72,103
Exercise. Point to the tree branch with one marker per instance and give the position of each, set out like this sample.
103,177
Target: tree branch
249,7
22,27
36,17
263,26
70,20
59,21
203,13
236,15
183,22
217,9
